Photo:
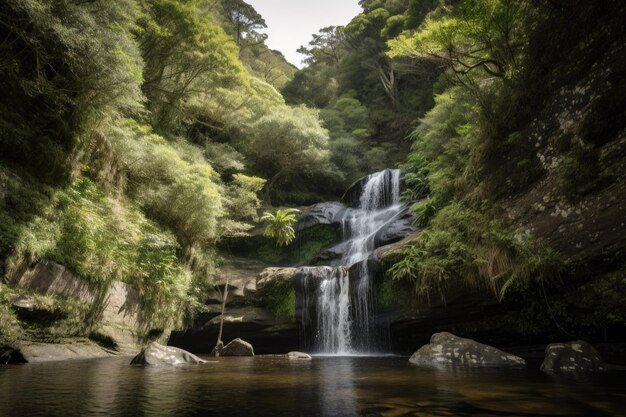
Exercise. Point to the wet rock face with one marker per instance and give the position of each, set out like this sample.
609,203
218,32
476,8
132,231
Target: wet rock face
158,355
577,356
448,349
395,232
321,213
238,347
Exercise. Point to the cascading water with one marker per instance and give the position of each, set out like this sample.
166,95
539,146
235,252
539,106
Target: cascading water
343,300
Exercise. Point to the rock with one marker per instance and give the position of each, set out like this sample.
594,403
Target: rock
24,304
275,276
248,315
448,349
37,310
121,304
242,275
217,350
9,354
321,213
238,347
121,320
577,356
394,232
396,249
300,356
158,355
49,352
50,278
333,253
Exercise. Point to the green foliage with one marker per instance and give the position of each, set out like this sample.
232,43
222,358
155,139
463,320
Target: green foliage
368,101
302,251
10,329
280,299
102,239
280,225
288,141
487,35
463,244
65,64
186,56
245,22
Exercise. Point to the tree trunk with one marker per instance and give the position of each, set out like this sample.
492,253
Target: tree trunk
219,345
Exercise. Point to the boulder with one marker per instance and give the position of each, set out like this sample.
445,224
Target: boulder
120,305
9,354
299,356
321,213
217,350
333,253
394,232
275,276
241,274
158,355
50,352
238,347
577,356
247,315
448,349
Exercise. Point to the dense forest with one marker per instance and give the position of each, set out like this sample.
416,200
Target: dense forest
139,138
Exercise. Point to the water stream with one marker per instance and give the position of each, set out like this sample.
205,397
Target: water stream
342,296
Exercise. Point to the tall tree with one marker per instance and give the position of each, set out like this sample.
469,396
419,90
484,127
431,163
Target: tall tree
245,21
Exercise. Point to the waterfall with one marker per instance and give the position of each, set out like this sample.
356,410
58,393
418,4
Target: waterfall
337,301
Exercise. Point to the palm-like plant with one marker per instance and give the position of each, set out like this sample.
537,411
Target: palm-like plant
280,225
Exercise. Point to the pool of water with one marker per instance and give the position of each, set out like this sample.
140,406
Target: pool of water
325,386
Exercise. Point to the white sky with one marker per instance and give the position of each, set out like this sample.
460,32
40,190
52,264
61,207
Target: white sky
291,23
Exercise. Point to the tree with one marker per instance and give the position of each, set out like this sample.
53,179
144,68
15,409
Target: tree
487,35
280,226
219,345
326,46
245,21
186,56
288,140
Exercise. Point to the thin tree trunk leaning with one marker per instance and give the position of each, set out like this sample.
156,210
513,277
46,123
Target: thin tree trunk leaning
219,345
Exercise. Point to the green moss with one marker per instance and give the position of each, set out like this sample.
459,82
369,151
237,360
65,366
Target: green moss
280,299
302,251
10,329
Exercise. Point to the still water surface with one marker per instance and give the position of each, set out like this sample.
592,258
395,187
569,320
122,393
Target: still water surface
326,386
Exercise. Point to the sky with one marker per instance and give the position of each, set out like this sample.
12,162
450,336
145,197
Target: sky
291,23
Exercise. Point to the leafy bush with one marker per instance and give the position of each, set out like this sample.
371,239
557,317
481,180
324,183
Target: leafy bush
280,225
461,245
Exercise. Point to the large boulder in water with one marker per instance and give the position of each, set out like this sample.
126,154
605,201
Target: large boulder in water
299,356
448,349
238,347
158,355
577,356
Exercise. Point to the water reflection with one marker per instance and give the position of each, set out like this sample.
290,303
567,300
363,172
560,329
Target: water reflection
337,396
266,386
